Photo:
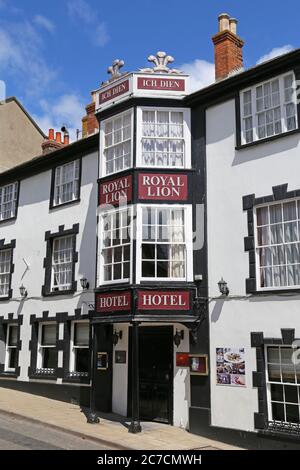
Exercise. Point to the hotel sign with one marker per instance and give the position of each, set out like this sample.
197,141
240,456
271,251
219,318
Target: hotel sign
113,302
169,187
116,191
163,300
113,92
170,84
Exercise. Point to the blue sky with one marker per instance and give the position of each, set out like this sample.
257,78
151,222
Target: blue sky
53,53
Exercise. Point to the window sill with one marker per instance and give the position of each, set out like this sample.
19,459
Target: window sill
7,373
63,204
11,219
267,139
7,297
59,292
275,292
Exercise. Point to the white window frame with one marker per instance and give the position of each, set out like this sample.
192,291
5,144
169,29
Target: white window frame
41,348
102,165
8,348
56,186
100,263
73,347
254,110
268,382
256,247
13,201
54,288
186,136
188,227
7,273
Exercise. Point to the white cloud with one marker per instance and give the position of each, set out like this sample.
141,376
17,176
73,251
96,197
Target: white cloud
21,57
68,109
44,22
80,9
82,12
201,72
101,36
277,51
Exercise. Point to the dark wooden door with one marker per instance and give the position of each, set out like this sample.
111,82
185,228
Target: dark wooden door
156,373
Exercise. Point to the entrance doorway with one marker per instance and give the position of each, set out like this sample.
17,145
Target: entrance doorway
156,374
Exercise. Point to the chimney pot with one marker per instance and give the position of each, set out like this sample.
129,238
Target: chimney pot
58,137
228,48
66,139
233,25
223,22
51,134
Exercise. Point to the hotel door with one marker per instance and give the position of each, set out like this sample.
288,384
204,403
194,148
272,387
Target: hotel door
156,374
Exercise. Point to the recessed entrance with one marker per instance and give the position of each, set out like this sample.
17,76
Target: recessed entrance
156,374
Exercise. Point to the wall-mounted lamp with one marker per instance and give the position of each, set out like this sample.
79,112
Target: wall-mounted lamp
116,336
223,288
23,291
178,337
84,283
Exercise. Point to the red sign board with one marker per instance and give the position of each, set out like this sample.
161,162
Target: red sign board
113,302
182,359
163,187
114,91
151,83
114,191
163,300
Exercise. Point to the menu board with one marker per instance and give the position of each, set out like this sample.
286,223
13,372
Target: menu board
230,366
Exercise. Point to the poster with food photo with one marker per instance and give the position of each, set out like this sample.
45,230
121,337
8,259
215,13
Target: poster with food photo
230,366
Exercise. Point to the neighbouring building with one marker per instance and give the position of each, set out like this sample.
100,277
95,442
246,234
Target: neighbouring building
20,136
152,269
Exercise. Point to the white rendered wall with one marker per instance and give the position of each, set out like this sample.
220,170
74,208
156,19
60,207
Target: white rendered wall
231,175
33,220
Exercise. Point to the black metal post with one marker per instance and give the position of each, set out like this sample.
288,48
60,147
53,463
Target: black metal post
92,417
135,425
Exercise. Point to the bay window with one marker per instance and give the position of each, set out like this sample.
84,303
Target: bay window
115,246
116,138
8,201
80,354
278,245
5,272
283,385
66,183
164,240
163,137
47,358
11,362
269,108
62,263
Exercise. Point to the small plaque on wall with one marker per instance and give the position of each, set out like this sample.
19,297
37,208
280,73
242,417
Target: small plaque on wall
182,359
102,361
120,357
199,364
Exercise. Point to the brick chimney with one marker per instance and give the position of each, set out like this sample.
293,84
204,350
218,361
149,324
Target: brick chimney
90,124
228,47
54,143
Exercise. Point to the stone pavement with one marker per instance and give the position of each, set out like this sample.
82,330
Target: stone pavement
112,432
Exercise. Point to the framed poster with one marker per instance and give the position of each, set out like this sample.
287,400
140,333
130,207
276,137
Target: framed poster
230,366
198,364
102,361
120,357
